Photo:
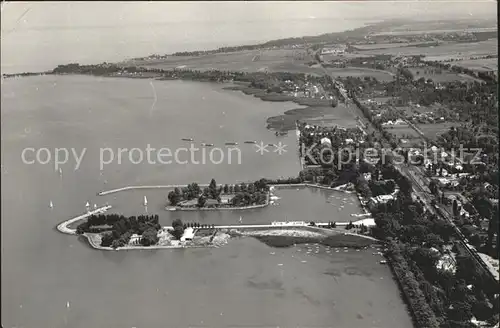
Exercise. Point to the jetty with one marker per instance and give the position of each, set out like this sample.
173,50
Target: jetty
63,227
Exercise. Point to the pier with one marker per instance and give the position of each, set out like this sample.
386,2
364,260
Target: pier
63,227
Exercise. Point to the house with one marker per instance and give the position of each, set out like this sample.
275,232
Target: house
326,140
382,199
211,203
189,203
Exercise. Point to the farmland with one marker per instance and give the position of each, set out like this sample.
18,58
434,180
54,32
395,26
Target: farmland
443,52
440,76
380,75
487,64
275,60
376,46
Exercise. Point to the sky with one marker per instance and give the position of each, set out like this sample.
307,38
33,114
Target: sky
40,34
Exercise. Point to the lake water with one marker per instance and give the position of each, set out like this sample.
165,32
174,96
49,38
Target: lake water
244,284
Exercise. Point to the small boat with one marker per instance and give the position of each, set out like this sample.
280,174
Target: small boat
95,206
51,205
60,171
383,262
145,201
271,145
207,145
187,139
231,143
67,305
87,205
250,142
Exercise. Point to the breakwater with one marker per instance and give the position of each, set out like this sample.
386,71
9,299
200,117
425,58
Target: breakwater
172,186
63,227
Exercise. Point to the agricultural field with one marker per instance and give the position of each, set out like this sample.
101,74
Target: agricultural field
361,72
376,46
487,64
345,56
428,29
274,60
443,52
440,76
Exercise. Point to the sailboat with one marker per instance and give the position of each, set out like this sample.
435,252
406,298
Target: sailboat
241,219
145,201
87,205
51,205
95,206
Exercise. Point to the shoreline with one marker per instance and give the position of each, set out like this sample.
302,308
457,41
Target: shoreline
273,122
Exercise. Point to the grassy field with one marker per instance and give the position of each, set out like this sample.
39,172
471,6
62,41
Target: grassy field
431,131
276,60
487,64
444,76
402,131
443,52
324,116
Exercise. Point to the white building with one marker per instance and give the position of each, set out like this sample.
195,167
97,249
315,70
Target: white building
188,234
382,199
326,140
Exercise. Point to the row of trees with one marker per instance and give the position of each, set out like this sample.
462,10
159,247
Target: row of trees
243,194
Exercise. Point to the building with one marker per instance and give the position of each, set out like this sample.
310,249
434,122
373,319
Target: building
188,234
326,140
211,203
382,199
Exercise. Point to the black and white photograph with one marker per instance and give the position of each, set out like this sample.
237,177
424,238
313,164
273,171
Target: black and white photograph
249,164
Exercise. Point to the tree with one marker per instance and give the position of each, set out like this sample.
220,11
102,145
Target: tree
202,201
107,239
178,229
455,208
226,189
174,197
150,236
212,189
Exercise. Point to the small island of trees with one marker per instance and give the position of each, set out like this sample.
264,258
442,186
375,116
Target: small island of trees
213,196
